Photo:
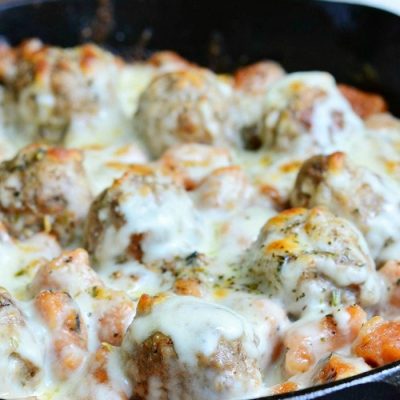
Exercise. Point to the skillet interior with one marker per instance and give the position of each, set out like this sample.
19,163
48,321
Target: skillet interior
359,45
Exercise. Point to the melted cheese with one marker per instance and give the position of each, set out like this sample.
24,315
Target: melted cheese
183,227
210,324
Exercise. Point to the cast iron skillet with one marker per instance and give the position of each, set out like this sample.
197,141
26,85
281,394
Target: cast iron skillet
359,45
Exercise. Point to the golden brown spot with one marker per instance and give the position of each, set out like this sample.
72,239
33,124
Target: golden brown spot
299,360
285,216
230,169
285,387
147,302
273,194
292,166
42,69
336,368
188,287
220,293
162,58
296,86
61,154
135,246
186,124
286,245
392,167
88,57
101,376
193,78
336,162
140,169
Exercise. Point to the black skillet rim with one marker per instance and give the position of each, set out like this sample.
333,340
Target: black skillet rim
389,374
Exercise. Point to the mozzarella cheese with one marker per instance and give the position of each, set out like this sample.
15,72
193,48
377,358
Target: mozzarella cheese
197,222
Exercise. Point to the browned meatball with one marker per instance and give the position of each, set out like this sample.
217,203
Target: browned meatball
169,353
312,261
47,87
190,106
370,201
305,113
44,189
142,217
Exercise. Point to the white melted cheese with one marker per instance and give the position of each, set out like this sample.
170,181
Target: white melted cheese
326,123
133,81
104,164
179,227
21,260
229,235
133,278
167,219
197,335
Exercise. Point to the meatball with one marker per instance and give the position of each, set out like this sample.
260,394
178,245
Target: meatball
21,356
44,189
305,112
142,217
313,261
48,87
192,162
226,188
190,106
370,201
170,354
